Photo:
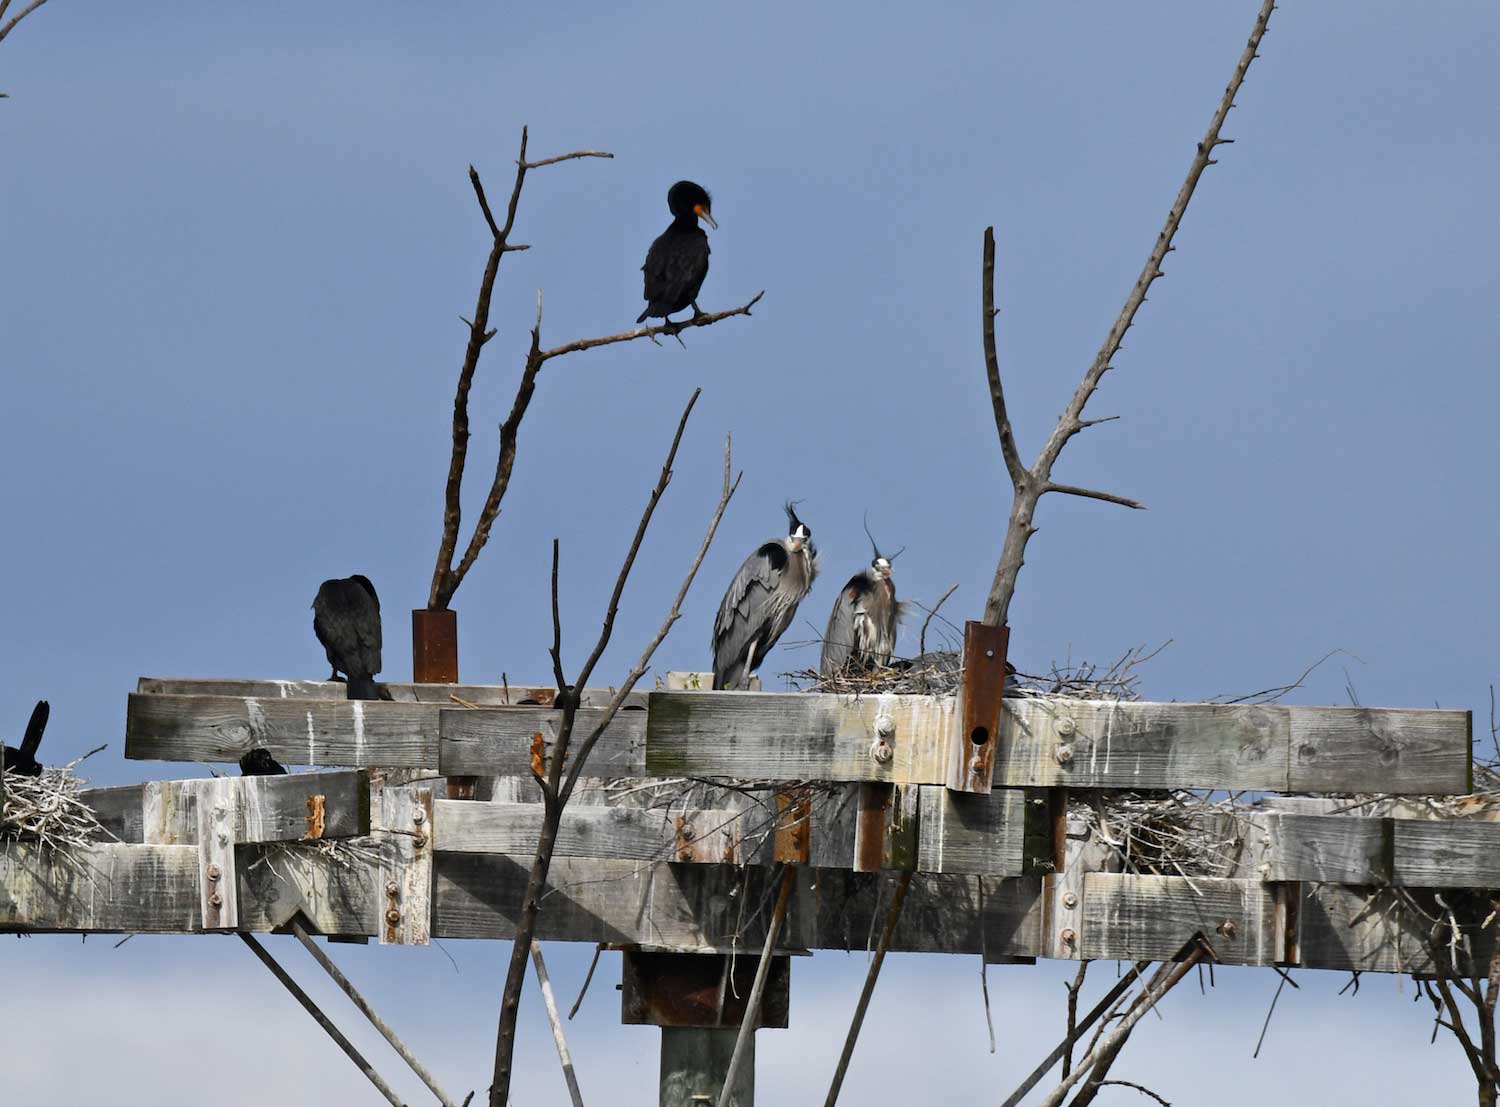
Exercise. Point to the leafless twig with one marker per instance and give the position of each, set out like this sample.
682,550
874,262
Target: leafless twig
1031,484
446,577
7,28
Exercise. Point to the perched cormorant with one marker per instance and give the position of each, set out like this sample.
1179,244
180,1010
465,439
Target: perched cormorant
346,619
259,762
678,260
23,760
761,601
862,627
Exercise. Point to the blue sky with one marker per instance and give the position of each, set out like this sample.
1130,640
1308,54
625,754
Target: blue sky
234,244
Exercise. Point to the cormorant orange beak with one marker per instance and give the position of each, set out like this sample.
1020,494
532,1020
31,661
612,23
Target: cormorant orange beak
702,213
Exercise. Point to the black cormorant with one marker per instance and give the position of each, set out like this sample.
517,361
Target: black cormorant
346,619
23,761
678,260
761,601
259,762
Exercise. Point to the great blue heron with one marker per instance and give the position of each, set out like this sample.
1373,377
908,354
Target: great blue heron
346,619
862,627
22,761
761,601
678,260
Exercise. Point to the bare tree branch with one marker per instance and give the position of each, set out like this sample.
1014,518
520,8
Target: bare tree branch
20,15
445,576
552,786
1030,484
1090,494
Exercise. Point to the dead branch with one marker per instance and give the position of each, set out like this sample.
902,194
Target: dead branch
1136,1087
446,577
7,28
555,792
1030,485
558,1037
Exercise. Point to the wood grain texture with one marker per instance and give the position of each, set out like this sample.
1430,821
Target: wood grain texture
1375,749
405,887
446,695
267,808
1363,929
796,736
1281,846
621,833
1450,854
497,741
296,732
962,832
218,881
1129,917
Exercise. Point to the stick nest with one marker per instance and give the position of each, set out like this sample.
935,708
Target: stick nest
47,810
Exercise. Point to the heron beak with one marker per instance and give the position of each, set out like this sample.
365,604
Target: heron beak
702,213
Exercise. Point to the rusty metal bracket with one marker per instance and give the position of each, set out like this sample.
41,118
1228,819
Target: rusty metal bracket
971,759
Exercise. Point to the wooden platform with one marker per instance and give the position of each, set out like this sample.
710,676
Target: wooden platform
363,856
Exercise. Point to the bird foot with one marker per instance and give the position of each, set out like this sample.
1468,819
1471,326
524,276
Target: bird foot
697,311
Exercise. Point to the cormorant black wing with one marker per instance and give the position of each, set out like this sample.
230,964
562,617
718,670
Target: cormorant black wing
674,271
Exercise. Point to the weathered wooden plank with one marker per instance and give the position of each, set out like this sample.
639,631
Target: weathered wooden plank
1369,930
218,881
296,732
1127,917
1378,749
497,741
1452,854
447,695
797,736
406,866
267,808
1286,846
1093,744
962,832
623,833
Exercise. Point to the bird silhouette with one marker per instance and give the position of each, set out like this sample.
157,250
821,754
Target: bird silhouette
678,260
346,619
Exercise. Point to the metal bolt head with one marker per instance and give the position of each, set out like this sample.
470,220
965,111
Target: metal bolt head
419,816
989,653
420,841
885,726
213,872
1063,753
1066,726
216,900
223,838
1227,928
881,752
1068,936
1070,901
390,888
393,916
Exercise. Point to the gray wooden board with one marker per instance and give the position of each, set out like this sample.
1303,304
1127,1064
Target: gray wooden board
497,741
1364,929
1380,749
624,833
964,832
442,694
796,736
1455,853
1128,917
1281,846
267,809
355,733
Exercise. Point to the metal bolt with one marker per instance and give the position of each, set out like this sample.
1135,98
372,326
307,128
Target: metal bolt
885,726
687,833
975,764
216,900
1066,726
881,752
420,841
213,872
393,916
223,838
390,888
1070,901
1063,753
1227,928
1068,936
418,816
989,653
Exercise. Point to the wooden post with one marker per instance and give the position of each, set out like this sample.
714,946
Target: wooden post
694,1063
218,883
971,759
434,660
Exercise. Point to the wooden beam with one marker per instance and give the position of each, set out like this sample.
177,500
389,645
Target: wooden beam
961,832
498,741
1144,918
355,733
406,854
622,833
267,808
218,880
446,695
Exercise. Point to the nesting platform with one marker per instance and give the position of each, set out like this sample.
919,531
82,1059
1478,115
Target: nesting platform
694,797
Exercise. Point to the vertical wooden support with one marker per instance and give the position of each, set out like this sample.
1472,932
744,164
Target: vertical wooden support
971,753
792,843
694,1063
405,901
886,830
434,660
218,884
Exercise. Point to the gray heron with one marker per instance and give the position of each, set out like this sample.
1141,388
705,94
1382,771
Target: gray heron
346,619
761,602
862,626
